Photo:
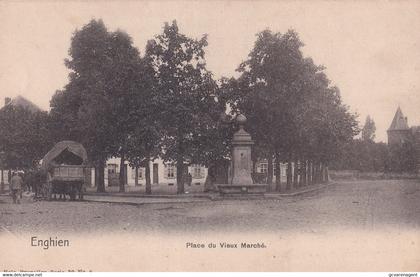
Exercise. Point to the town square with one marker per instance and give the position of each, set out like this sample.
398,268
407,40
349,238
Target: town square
288,132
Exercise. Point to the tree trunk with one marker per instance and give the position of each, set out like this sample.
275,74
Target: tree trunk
303,173
320,176
96,176
327,175
295,173
122,173
278,173
210,179
148,182
316,173
289,175
136,176
270,171
321,172
180,175
2,182
254,166
310,172
313,169
99,176
313,172
324,170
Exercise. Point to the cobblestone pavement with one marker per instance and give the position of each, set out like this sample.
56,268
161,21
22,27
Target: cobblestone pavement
365,205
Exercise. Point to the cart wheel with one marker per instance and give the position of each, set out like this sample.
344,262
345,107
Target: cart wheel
72,195
72,192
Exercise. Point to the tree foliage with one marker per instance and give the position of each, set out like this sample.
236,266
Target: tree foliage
24,137
96,106
186,94
292,109
369,129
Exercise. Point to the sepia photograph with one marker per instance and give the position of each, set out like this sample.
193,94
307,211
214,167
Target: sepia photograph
209,136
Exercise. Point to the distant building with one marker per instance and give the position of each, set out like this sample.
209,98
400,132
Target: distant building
399,131
162,176
20,101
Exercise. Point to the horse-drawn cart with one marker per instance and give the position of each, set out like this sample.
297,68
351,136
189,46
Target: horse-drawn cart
65,167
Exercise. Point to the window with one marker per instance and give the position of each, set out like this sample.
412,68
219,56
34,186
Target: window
263,167
140,171
283,170
112,168
197,172
169,171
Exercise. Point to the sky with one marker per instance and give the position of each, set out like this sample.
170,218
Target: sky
371,49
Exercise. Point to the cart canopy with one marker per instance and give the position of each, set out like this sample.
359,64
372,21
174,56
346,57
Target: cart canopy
65,153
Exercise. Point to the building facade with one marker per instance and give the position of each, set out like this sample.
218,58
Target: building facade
162,176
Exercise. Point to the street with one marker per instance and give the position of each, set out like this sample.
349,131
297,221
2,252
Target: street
364,205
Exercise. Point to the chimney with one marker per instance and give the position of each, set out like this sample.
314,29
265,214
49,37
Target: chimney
7,100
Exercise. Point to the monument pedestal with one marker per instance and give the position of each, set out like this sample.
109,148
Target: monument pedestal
241,182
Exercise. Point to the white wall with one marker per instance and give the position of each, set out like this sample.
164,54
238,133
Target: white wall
164,181
5,176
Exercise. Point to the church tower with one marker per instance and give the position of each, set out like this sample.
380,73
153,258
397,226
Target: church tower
399,131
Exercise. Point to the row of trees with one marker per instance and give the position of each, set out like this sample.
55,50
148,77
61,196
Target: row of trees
117,103
295,115
166,104
366,155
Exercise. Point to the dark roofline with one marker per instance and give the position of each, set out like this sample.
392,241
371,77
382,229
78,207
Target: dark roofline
21,101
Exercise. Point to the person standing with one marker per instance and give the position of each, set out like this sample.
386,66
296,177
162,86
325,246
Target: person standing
16,184
189,179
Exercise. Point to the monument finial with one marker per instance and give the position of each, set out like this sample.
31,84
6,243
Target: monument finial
241,120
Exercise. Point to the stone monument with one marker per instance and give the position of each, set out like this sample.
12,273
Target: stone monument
241,155
241,164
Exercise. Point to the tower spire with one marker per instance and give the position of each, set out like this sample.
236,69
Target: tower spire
399,122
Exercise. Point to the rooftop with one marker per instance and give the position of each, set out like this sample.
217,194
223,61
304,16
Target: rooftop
399,122
20,101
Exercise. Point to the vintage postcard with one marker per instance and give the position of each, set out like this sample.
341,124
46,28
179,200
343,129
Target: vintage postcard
209,136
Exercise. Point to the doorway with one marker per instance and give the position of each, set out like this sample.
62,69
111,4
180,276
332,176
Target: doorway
155,173
113,179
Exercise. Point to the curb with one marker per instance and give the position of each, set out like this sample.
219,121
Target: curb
191,198
210,197
141,195
137,204
309,189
